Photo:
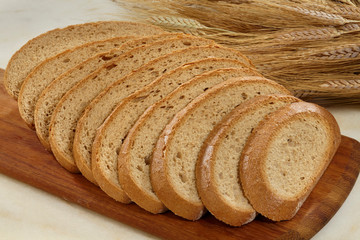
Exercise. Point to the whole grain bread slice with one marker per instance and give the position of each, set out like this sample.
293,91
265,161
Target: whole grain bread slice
48,70
51,96
55,41
72,104
103,161
175,155
217,177
134,175
285,157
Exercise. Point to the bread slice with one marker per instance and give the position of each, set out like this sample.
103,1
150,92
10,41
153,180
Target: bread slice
50,97
174,157
73,103
45,72
217,177
86,127
55,41
134,175
285,157
104,162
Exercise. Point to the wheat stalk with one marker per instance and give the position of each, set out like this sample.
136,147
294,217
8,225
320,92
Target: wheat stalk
310,34
350,51
342,84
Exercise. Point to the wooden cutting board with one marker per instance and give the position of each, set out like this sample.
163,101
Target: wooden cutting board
22,157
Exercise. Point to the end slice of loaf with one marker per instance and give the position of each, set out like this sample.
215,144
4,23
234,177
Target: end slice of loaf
103,155
71,106
217,176
52,94
176,152
48,70
133,169
285,157
55,41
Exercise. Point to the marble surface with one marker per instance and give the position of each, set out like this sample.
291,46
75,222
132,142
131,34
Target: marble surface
29,213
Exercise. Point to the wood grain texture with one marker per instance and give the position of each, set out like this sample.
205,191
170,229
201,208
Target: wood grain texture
22,157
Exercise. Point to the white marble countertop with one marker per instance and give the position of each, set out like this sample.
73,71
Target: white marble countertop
29,213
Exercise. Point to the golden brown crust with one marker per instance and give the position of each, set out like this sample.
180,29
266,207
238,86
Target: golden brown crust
137,194
114,191
61,158
251,163
205,169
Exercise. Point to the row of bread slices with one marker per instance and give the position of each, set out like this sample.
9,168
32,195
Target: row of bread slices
165,119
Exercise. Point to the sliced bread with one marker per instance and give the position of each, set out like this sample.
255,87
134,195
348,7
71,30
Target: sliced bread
71,106
217,177
285,157
45,72
86,127
105,168
134,176
55,41
175,155
51,96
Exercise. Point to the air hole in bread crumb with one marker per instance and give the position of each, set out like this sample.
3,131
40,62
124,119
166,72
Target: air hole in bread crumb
221,176
106,58
139,168
66,60
302,178
182,97
205,89
178,155
244,96
187,43
117,151
147,160
111,66
183,178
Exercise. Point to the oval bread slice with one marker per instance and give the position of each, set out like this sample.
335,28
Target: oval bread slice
285,157
52,94
217,177
71,106
55,41
176,152
134,172
103,159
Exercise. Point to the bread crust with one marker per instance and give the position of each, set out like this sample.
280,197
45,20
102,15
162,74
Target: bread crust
251,167
160,177
205,170
13,90
113,190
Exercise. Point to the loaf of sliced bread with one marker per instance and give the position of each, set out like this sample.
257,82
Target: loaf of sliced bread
71,106
285,156
51,96
86,127
45,72
217,177
134,176
104,162
176,152
55,41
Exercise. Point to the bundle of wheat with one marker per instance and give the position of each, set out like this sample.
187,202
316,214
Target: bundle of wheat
311,47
